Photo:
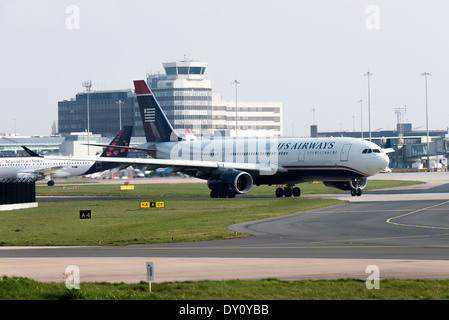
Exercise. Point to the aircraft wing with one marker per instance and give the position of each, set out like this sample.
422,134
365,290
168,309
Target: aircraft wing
179,164
42,172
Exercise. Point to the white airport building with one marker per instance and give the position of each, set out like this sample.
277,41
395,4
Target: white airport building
186,96
255,118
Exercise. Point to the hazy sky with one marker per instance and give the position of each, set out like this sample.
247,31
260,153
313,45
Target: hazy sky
308,54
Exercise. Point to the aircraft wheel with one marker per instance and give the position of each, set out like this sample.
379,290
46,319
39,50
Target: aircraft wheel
296,192
222,195
359,192
279,192
213,194
50,183
353,192
287,192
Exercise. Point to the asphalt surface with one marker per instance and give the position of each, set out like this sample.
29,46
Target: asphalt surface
403,231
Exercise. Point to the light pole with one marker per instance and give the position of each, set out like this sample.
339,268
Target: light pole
369,74
361,117
88,84
425,74
236,109
120,102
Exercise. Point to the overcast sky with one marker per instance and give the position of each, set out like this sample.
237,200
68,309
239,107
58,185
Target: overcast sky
308,54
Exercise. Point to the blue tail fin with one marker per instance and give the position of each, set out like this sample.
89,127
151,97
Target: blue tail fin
123,138
155,124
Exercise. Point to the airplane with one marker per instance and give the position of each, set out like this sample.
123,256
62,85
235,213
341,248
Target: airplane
37,167
233,166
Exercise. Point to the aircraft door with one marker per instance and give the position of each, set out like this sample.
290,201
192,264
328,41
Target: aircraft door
344,154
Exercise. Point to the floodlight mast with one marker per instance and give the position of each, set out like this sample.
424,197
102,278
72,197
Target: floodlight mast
369,74
425,74
88,84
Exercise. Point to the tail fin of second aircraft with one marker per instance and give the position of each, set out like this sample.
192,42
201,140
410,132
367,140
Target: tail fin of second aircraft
155,124
122,139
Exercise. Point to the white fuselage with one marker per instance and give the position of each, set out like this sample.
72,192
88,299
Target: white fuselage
301,159
33,167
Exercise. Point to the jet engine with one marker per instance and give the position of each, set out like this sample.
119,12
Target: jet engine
28,176
230,183
355,185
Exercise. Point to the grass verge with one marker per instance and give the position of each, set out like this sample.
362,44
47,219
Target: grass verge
16,288
186,190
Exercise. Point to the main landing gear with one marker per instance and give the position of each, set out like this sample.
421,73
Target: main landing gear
288,191
356,192
216,194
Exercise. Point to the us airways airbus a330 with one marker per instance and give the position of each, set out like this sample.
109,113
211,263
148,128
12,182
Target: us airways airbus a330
232,166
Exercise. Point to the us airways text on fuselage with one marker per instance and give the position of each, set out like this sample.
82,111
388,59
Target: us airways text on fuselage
306,145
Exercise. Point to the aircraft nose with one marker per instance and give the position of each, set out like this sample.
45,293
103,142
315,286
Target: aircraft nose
383,161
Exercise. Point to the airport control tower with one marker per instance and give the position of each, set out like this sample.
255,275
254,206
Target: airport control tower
184,94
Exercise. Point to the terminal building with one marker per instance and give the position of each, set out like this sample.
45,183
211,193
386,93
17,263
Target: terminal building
186,96
410,146
255,118
109,111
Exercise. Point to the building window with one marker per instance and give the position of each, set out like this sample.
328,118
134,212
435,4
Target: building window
170,71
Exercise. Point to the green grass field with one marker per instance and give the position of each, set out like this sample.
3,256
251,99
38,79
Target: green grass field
189,189
15,288
123,222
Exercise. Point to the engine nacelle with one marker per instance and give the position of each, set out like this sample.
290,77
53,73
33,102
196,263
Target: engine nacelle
231,182
356,183
28,176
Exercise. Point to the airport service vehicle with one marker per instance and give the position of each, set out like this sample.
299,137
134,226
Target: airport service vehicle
36,167
233,166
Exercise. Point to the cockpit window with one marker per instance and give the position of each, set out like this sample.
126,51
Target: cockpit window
371,150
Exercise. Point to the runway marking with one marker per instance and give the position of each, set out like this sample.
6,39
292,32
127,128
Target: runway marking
389,220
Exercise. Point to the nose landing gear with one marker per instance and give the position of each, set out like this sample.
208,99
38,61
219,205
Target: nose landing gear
357,184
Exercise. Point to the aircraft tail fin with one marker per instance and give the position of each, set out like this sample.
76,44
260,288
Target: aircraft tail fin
155,124
122,139
31,153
